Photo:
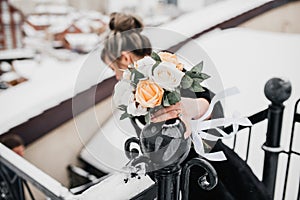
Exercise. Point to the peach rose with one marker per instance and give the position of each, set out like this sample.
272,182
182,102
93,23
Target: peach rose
148,94
172,58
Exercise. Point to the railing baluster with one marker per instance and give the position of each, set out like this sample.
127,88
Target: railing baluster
248,144
290,150
277,91
234,142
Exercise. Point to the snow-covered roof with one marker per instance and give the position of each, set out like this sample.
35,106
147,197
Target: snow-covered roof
53,9
11,54
82,41
41,92
211,15
43,20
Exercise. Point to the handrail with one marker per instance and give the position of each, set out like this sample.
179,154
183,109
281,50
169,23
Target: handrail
25,170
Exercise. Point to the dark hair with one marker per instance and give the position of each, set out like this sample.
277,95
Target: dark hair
120,22
125,35
12,141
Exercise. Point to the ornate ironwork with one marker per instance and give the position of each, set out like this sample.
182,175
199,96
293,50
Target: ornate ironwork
163,155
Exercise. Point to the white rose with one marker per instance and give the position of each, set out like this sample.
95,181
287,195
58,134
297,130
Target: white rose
136,111
145,65
122,93
167,76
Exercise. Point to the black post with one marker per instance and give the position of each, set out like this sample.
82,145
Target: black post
277,91
168,182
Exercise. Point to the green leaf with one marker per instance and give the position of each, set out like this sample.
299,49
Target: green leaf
197,68
204,76
198,80
166,100
122,107
136,76
186,82
196,87
155,65
173,97
147,118
125,115
193,74
155,56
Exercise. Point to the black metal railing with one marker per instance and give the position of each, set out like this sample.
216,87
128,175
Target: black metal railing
277,91
290,152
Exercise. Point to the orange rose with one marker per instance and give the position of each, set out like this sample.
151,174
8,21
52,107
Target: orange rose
172,58
148,94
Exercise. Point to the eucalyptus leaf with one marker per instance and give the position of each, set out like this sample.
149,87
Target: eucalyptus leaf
166,100
198,80
155,56
193,74
147,118
196,87
173,97
198,68
204,76
125,115
136,76
154,66
186,82
122,107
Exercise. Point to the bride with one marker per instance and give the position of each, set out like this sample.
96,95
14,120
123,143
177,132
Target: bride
124,45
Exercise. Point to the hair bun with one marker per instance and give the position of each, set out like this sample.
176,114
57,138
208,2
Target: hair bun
120,22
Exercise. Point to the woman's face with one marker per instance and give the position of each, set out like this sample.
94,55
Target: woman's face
120,65
118,68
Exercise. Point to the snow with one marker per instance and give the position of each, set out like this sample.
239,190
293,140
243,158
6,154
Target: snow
52,82
210,16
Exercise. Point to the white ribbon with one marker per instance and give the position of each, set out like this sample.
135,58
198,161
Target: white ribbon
198,127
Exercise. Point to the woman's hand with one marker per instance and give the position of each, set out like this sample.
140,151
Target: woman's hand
186,110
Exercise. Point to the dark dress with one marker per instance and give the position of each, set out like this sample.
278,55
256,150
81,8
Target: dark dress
236,181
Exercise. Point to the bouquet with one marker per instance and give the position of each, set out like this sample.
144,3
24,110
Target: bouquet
155,82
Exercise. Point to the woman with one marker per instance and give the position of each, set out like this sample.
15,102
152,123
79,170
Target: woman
124,48
124,45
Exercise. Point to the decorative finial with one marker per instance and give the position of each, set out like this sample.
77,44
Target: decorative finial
278,90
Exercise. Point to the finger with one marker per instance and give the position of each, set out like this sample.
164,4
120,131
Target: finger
188,130
165,116
177,106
